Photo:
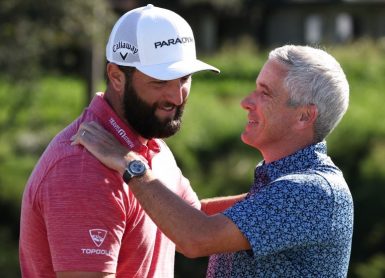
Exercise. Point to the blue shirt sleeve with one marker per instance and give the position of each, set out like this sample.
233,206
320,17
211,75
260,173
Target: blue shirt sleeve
293,211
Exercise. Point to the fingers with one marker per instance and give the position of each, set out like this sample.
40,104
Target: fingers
99,132
92,128
81,135
92,138
89,132
95,128
104,146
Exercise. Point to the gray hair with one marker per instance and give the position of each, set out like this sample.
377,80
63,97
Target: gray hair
315,77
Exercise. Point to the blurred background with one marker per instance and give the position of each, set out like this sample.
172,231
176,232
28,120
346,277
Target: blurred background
52,62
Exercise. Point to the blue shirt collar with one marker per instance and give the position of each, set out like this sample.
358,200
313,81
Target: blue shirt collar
304,159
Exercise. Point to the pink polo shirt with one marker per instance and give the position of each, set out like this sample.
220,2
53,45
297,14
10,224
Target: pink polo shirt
78,215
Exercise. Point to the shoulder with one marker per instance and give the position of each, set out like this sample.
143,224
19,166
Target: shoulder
79,169
290,192
302,182
71,170
78,184
162,145
164,157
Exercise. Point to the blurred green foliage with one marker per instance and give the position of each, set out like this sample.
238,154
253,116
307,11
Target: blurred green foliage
208,147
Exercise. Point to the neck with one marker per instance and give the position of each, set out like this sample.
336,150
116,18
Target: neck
278,151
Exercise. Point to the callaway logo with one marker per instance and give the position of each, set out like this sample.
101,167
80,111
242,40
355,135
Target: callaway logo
173,41
98,236
125,48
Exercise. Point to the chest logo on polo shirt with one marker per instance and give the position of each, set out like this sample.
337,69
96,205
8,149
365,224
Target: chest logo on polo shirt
98,236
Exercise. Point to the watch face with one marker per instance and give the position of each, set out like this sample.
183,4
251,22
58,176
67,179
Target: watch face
137,167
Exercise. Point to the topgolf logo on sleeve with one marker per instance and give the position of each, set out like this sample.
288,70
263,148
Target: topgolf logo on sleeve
98,236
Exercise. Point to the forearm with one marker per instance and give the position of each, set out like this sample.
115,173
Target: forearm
186,226
180,222
219,204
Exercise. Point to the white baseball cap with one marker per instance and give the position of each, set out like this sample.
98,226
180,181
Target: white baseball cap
156,41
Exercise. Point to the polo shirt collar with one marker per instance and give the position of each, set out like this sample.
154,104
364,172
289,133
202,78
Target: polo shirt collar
121,131
303,159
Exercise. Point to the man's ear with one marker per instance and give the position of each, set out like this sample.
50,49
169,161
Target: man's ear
307,116
116,77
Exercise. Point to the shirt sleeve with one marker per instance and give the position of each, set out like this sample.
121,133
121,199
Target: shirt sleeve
188,194
167,170
84,207
287,213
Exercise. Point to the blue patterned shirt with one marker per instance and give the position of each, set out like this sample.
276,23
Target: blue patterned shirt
297,217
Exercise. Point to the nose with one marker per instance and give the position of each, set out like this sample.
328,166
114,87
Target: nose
247,103
177,92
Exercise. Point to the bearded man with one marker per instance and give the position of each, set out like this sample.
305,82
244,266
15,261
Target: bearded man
79,218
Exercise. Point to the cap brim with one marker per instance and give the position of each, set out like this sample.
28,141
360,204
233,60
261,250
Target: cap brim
170,71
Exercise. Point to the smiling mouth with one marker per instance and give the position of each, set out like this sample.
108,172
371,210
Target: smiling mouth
167,107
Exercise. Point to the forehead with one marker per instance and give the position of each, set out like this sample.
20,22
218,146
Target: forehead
272,75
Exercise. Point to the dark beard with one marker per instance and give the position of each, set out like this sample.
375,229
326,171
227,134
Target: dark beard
142,118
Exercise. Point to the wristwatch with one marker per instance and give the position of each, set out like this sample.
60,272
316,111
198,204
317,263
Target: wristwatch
135,168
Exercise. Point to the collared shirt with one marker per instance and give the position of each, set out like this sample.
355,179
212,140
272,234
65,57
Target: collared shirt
297,217
78,215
